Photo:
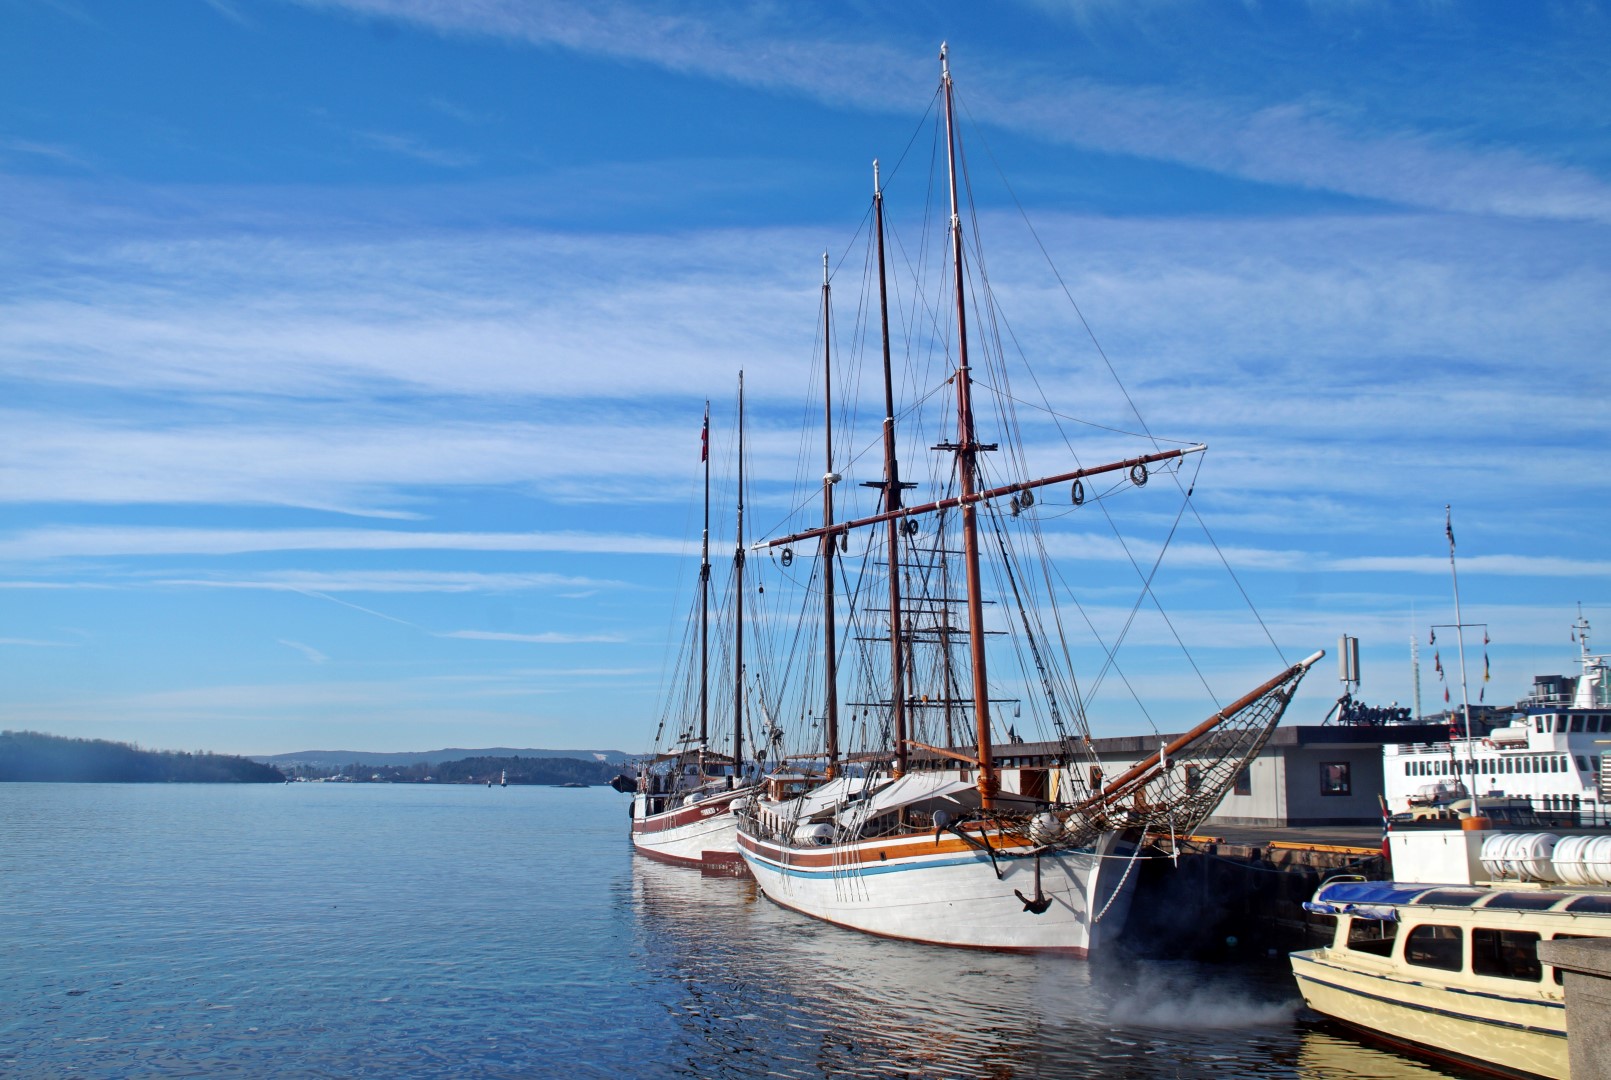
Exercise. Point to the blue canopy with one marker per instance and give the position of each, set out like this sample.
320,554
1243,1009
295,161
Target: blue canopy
1366,899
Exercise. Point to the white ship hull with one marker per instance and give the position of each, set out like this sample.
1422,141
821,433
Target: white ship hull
703,834
942,891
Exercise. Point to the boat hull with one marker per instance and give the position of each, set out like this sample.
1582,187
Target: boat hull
701,835
1510,1035
941,890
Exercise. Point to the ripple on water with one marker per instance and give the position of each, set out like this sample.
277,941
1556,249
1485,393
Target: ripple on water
374,930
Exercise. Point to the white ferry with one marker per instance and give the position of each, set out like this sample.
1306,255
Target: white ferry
1444,962
1552,751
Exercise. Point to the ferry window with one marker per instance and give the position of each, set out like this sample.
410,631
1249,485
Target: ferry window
1538,724
1334,778
1509,954
1582,763
1594,723
1451,897
1194,779
1372,936
1244,782
1596,904
1435,947
1526,901
1577,723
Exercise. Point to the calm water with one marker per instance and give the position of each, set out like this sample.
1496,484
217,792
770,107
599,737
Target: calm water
350,930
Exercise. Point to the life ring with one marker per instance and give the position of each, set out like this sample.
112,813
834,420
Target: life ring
1138,474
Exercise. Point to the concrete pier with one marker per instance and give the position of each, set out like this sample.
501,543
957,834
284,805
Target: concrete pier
1587,963
1239,891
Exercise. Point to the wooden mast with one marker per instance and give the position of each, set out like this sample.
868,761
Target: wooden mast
967,449
704,600
830,674
892,504
738,602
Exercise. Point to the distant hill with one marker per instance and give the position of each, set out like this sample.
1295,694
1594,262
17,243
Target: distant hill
32,756
339,759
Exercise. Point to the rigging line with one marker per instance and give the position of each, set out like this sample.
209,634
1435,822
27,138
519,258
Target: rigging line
1057,274
1049,411
1148,593
1226,562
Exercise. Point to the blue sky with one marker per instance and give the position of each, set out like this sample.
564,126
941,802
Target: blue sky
354,350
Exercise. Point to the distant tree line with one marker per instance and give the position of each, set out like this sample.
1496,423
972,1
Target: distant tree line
479,770
33,756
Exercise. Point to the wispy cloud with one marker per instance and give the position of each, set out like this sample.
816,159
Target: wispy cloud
1288,143
546,638
413,147
314,655
66,541
391,581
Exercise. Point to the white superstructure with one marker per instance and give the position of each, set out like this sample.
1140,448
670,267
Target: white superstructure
1552,753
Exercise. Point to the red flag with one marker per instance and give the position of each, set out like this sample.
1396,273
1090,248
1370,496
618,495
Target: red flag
1445,695
704,439
1437,662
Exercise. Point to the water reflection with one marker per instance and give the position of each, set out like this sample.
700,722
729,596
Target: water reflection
762,991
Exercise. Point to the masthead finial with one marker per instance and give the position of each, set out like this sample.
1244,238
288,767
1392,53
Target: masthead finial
876,186
825,268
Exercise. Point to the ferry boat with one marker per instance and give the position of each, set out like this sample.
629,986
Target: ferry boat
1548,750
1443,961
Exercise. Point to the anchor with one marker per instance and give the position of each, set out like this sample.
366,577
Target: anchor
1041,902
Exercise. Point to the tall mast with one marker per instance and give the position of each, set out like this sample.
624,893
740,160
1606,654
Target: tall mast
738,601
892,503
704,599
967,449
1460,639
830,702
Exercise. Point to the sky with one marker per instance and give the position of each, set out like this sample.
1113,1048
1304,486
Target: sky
354,351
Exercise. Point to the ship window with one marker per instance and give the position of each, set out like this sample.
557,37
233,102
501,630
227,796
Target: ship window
1244,781
1451,897
1334,778
1597,904
1194,779
1526,901
1582,763
1577,723
1538,724
1372,936
1435,947
1508,954
1594,723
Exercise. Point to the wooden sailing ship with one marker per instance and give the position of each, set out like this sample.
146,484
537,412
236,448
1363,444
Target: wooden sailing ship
937,833
683,796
